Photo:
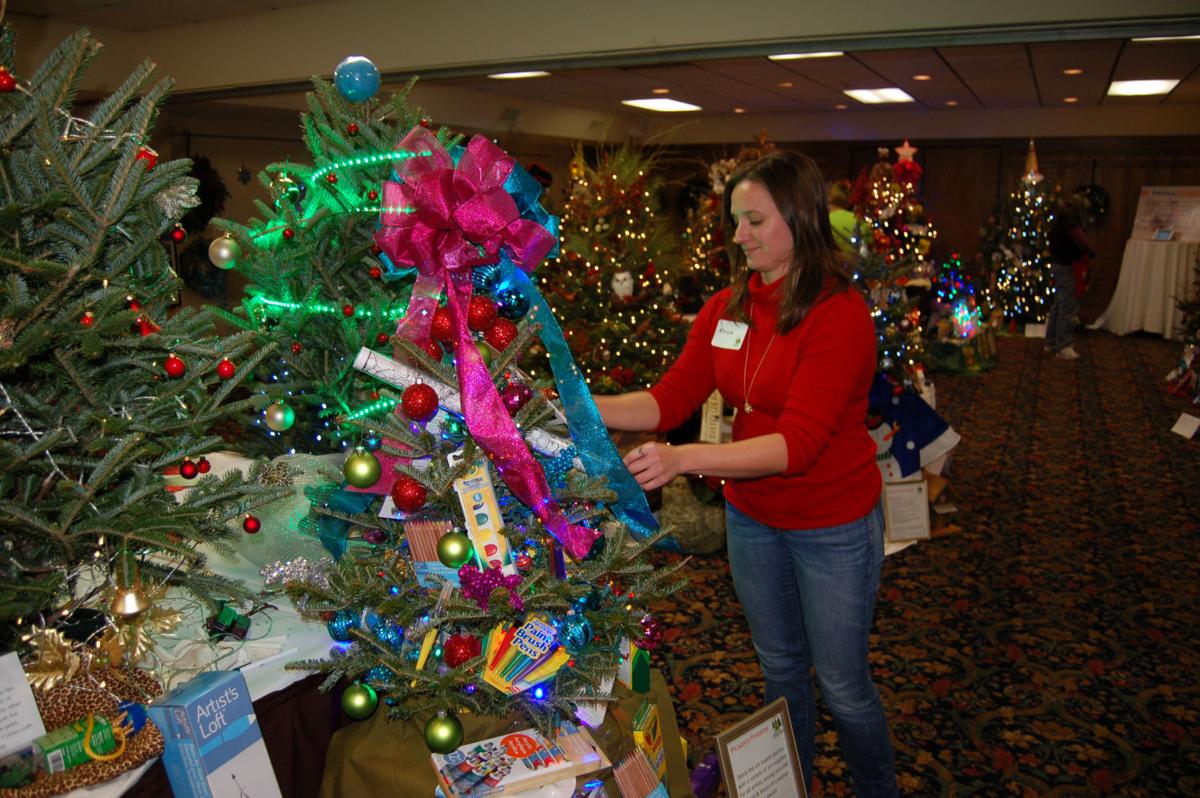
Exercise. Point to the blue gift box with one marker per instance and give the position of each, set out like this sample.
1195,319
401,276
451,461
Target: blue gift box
214,747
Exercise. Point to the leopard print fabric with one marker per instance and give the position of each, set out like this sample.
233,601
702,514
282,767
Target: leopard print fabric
73,700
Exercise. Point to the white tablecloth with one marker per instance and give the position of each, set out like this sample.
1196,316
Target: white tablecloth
1154,274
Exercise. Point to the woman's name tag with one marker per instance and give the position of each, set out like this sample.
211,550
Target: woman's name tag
729,334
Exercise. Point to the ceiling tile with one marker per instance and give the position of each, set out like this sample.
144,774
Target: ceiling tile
998,74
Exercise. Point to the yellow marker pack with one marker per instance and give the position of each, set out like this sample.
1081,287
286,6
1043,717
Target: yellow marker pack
647,734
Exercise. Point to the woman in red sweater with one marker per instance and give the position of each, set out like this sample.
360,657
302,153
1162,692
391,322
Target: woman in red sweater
791,346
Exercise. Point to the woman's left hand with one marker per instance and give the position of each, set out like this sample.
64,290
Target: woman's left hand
654,464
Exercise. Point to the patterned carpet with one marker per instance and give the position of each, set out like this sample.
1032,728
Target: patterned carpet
1052,647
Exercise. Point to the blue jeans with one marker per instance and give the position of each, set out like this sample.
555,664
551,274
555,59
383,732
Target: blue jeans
1060,325
809,596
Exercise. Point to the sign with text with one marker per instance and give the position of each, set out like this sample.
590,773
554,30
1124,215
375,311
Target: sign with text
1173,209
20,721
758,756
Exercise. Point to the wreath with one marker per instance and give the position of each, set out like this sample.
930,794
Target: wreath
1098,201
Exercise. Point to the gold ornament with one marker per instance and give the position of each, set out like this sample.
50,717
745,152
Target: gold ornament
55,659
362,469
128,601
128,640
454,549
279,416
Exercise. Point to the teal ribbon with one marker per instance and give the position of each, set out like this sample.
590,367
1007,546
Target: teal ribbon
596,450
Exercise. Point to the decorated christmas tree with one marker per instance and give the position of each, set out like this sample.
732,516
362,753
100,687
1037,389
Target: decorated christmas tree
104,391
898,241
613,284
704,268
482,558
317,285
1016,249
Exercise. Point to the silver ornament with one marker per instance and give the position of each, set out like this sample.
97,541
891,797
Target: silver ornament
224,252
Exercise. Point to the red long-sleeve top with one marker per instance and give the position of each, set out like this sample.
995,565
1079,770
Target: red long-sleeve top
812,389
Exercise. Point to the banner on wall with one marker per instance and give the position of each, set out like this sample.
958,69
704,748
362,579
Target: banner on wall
1167,213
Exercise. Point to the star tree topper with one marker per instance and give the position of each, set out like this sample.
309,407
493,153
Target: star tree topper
906,151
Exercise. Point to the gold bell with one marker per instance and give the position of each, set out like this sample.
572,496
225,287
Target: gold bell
129,601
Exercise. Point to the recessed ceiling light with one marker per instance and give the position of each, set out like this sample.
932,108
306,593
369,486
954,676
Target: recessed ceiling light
952,103
922,77
661,104
1070,99
798,56
874,96
518,75
1166,38
1073,71
785,84
1138,88
660,91
841,106
739,110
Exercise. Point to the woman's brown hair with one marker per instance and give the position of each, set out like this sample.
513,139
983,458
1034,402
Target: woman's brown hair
798,191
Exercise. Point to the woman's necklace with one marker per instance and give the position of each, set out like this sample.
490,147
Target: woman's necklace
746,388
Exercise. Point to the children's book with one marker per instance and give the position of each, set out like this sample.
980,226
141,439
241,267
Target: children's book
516,762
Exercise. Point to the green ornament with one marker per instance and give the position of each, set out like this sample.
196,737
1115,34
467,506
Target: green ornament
485,352
454,549
360,700
362,469
443,733
280,417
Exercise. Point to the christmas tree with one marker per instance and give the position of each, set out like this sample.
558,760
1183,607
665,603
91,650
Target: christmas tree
317,285
705,264
482,560
613,283
1016,249
898,241
104,391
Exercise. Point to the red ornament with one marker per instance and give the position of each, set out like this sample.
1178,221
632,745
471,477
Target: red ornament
133,304
382,338
148,156
515,396
372,195
297,348
204,465
178,234
174,366
87,319
226,369
524,561
481,313
331,178
289,233
419,402
375,272
352,129
501,334
188,469
424,123
251,524
652,634
433,349
408,494
143,326
376,249
441,328
347,310
374,396
7,82
460,648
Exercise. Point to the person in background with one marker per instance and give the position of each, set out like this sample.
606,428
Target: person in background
791,346
1070,253
845,225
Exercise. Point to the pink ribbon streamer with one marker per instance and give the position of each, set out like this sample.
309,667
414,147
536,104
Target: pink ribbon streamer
460,217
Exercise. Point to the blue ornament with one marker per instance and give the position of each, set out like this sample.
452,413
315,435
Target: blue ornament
486,278
512,304
343,621
357,78
372,441
390,634
575,632
380,674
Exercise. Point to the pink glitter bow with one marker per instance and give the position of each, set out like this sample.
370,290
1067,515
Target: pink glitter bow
444,220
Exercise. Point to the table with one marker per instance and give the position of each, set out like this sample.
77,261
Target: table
1154,274
378,757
